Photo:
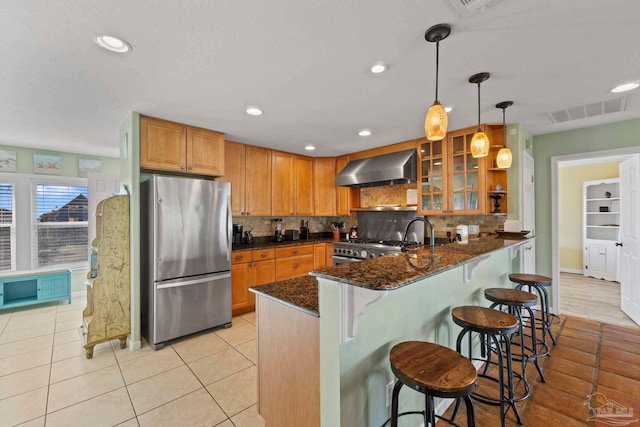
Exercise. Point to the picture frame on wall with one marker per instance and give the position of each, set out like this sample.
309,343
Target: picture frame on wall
8,161
48,164
87,166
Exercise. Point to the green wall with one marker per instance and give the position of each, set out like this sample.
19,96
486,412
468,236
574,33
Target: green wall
517,139
24,161
598,138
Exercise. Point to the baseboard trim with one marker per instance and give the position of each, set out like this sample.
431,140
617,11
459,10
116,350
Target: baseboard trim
570,270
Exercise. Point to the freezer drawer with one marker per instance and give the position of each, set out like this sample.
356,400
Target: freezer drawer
190,305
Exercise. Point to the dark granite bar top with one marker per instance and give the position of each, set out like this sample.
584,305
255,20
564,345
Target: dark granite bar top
382,273
393,272
300,293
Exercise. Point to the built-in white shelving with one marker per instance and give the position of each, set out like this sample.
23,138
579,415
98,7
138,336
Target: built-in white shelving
601,228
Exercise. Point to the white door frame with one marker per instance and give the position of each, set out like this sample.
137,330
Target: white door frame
555,190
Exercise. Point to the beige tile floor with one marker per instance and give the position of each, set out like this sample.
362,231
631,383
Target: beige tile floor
45,380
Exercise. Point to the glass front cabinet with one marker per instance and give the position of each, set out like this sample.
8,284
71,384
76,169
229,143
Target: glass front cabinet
452,181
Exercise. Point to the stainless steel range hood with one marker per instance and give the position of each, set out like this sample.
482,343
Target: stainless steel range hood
388,169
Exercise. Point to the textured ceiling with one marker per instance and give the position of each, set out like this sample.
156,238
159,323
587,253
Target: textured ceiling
305,63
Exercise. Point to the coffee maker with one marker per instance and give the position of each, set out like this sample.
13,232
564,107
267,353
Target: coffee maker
277,227
237,234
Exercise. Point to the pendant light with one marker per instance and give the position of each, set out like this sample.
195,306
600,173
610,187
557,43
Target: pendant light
436,121
504,157
480,140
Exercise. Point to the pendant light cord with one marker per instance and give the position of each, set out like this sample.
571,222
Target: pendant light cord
504,127
478,105
437,66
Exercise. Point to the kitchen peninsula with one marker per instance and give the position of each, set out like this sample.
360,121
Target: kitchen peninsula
323,351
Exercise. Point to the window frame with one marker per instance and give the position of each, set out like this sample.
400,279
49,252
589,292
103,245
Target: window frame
11,226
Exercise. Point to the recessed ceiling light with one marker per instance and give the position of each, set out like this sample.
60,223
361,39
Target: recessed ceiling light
254,111
625,87
111,43
309,148
448,109
364,132
379,67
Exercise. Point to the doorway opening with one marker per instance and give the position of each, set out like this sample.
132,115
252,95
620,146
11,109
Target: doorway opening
577,294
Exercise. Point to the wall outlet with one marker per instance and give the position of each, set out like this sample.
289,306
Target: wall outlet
474,229
389,392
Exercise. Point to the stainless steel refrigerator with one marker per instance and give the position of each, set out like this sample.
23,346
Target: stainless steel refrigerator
186,257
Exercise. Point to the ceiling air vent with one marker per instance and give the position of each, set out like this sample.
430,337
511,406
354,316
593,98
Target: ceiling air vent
589,110
471,7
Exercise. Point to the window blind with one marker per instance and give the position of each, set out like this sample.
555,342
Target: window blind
60,225
7,227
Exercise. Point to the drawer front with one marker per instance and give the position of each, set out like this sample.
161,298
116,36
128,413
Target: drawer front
294,251
239,257
262,254
295,266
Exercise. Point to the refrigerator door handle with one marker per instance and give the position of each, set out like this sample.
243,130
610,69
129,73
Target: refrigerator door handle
229,228
176,284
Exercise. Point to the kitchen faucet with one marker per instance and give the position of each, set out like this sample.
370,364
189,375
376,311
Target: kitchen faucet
432,236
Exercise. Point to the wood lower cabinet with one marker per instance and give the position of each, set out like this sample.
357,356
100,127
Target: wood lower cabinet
294,261
176,147
249,268
319,255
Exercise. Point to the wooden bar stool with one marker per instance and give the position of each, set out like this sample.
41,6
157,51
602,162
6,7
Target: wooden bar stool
514,301
539,283
495,329
435,371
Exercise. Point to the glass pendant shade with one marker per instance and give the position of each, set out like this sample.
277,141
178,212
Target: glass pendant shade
480,144
436,122
504,158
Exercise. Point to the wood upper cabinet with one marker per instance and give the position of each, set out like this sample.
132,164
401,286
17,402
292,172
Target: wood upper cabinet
324,186
292,182
282,181
176,147
346,198
235,166
258,181
303,184
452,181
248,169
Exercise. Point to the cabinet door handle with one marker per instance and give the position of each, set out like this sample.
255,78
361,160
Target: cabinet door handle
182,167
239,257
264,254
296,265
295,251
190,168
618,243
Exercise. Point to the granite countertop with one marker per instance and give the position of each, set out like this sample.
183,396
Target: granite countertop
300,293
268,243
382,273
393,272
